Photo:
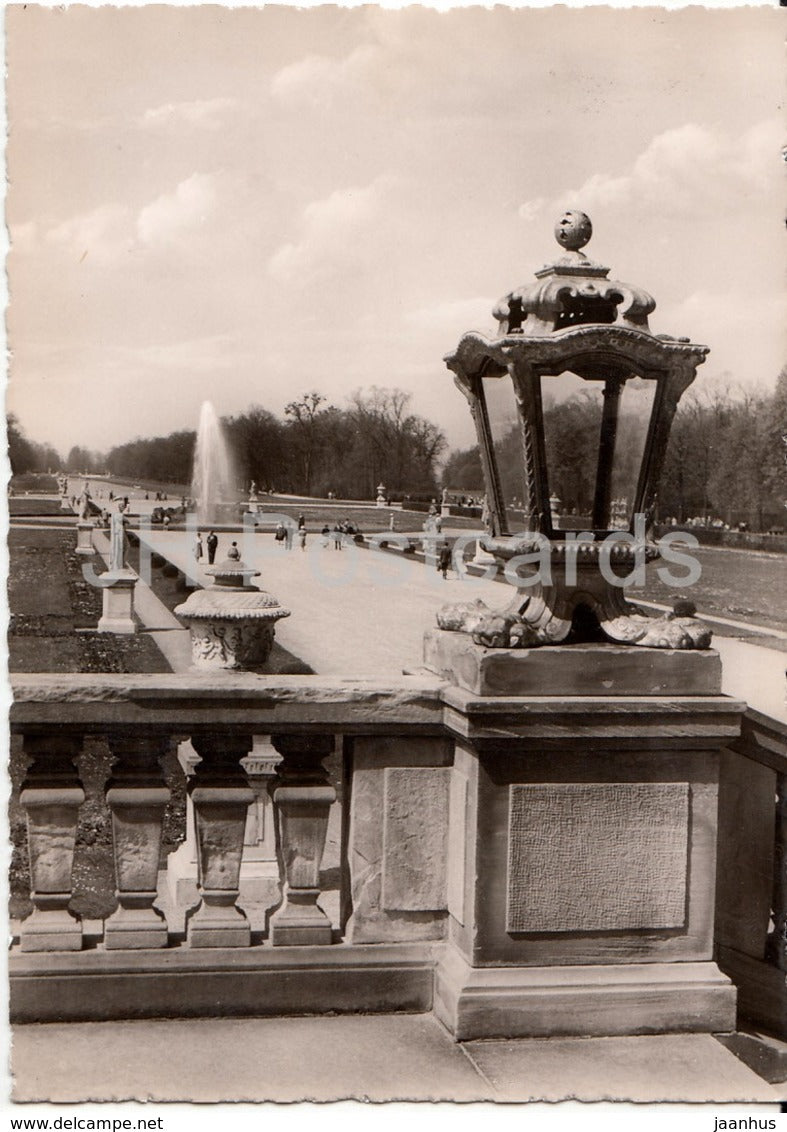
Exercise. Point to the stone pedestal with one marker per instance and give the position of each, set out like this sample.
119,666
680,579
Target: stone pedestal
445,510
259,870
118,602
85,537
483,557
582,840
64,504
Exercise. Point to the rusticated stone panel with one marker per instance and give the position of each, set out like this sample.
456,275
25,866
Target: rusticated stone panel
595,857
415,835
373,757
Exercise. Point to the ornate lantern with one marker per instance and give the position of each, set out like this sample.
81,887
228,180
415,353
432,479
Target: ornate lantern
574,325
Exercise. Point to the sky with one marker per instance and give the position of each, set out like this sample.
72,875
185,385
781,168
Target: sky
243,205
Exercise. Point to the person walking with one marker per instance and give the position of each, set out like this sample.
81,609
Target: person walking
212,542
444,560
338,537
280,534
302,537
301,522
198,547
326,535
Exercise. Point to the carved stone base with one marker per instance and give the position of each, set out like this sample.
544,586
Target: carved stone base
51,929
131,928
297,924
117,615
218,922
587,1001
572,670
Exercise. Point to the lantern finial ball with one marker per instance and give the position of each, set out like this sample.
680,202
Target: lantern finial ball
573,230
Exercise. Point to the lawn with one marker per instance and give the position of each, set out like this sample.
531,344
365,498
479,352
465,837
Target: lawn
21,505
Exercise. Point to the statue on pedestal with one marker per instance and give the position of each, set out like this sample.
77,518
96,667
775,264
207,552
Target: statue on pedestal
486,516
84,502
117,541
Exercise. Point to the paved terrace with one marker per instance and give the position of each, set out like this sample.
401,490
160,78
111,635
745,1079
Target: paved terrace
360,612
378,1057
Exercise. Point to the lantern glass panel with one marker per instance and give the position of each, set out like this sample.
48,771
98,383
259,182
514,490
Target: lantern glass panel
634,414
572,410
503,417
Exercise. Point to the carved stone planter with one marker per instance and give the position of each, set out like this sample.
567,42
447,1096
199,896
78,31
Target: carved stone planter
231,622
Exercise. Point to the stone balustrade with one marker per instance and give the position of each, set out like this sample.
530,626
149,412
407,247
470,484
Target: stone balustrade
140,716
522,864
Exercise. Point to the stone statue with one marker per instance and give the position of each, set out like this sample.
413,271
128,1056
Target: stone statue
486,516
84,502
253,488
444,497
117,541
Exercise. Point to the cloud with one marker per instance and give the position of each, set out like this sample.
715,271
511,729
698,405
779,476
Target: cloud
332,232
174,214
208,113
102,234
313,80
682,170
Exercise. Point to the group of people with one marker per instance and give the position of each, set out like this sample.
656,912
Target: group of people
211,544
339,534
284,536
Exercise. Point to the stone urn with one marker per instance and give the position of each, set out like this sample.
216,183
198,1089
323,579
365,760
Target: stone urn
231,621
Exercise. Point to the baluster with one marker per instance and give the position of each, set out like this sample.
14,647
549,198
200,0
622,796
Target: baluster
776,950
303,797
137,798
51,796
221,797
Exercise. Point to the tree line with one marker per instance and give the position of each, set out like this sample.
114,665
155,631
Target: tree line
726,459
314,449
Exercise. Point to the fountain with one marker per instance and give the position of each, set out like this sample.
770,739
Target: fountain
213,476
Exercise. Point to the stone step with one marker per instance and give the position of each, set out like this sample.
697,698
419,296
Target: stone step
764,1053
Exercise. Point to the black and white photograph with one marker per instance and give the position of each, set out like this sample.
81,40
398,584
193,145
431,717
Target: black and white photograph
396,411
